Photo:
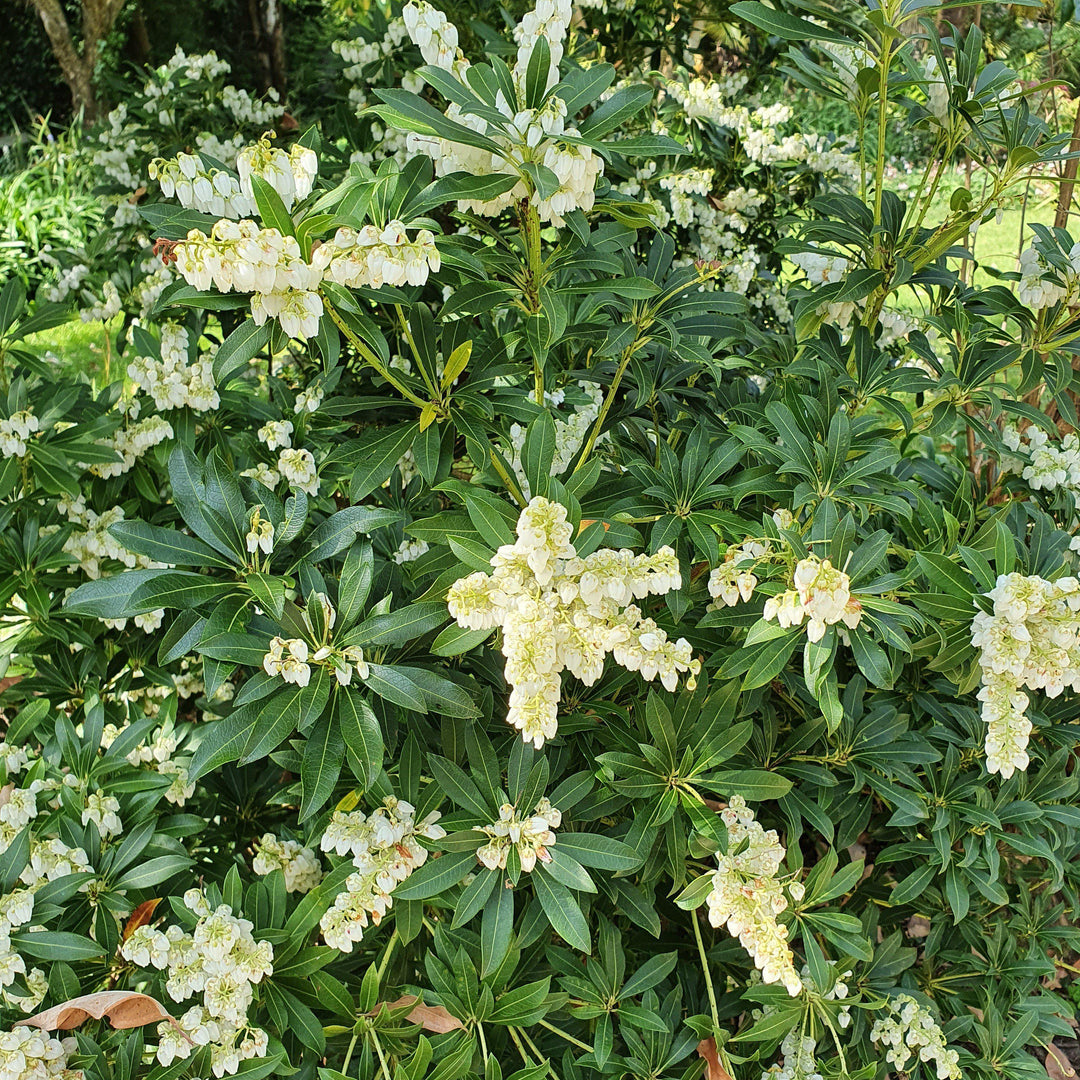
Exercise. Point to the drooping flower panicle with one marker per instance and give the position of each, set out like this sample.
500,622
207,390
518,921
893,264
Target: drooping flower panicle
559,611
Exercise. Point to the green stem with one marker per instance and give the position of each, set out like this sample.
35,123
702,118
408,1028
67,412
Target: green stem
406,331
605,408
884,61
349,1052
521,1049
565,1035
532,1046
507,479
386,955
705,972
382,1058
483,1045
534,271
371,359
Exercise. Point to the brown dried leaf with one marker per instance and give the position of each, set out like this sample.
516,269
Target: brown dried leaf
141,916
122,1008
1057,1064
713,1069
288,122
5,793
429,1017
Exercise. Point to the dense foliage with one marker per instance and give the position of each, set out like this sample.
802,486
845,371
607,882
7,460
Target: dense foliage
575,576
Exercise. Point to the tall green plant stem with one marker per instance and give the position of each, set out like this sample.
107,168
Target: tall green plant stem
367,354
713,1010
529,220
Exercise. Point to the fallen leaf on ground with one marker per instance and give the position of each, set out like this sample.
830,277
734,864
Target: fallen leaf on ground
713,1069
429,1017
1057,1064
122,1008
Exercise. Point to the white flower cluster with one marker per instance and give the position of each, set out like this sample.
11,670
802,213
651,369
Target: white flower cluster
559,611
264,474
373,256
385,851
249,110
533,135
409,551
172,381
221,960
16,430
1042,286
131,443
309,399
198,187
822,596
69,281
733,580
239,255
104,309
911,1035
937,91
288,657
747,897
95,543
299,469
17,909
260,535
291,174
299,865
1047,467
276,433
570,432
530,835
821,267
28,1053
757,130
432,33
1032,641
104,811
157,753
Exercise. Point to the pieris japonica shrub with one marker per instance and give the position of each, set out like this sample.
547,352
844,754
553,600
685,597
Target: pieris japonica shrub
476,632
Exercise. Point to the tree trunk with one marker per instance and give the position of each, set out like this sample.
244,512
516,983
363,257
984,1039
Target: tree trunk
77,73
268,28
98,17
1068,183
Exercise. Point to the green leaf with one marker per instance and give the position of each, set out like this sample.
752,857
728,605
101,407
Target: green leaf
153,872
355,584
380,455
271,208
324,753
562,912
625,103
436,876
781,24
240,347
361,735
754,785
496,929
339,530
599,852
400,627
55,946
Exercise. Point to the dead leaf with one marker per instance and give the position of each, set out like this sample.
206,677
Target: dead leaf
288,122
918,927
429,1017
713,1069
141,916
1057,1064
122,1008
5,793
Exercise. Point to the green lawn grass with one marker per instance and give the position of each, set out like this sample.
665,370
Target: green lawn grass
86,348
